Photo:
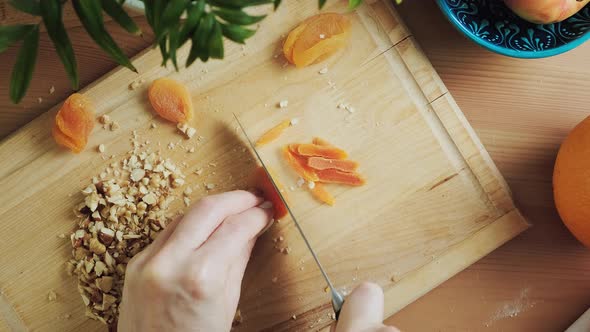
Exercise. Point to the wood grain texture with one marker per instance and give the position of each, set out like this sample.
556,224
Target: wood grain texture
441,205
521,110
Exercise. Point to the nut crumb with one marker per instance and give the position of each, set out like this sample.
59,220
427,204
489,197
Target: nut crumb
210,186
281,239
327,289
274,280
187,201
51,90
115,126
283,103
322,36
134,85
51,296
61,236
294,121
300,182
191,150
153,125
311,185
101,148
323,70
237,318
105,119
199,171
293,317
39,100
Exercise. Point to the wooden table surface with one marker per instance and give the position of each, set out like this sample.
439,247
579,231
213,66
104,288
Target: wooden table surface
521,110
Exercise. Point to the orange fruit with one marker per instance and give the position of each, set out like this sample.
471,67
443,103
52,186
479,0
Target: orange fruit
571,182
316,38
171,100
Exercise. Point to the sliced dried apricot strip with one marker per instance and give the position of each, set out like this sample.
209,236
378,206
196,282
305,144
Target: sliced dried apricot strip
316,38
270,193
313,150
273,133
321,163
171,100
321,141
336,176
298,164
320,192
319,51
290,41
74,122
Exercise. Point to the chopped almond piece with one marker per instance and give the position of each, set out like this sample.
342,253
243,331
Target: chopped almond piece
330,152
320,192
299,165
320,163
273,133
336,176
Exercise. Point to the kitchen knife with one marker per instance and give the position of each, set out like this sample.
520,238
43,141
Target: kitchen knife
337,299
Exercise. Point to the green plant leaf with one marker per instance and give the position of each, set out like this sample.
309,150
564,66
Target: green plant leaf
163,51
276,4
149,11
159,6
238,4
90,14
171,15
215,44
22,73
200,39
51,11
28,6
237,16
321,3
10,34
202,34
352,4
173,44
194,13
236,33
114,9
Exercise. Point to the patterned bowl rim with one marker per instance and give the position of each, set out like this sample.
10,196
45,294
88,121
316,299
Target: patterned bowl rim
507,51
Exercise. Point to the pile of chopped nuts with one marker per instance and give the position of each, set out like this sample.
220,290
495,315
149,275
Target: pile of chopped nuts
118,218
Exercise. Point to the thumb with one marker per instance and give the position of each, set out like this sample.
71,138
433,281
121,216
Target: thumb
362,309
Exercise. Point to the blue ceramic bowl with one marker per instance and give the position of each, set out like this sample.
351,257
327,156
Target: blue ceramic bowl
494,26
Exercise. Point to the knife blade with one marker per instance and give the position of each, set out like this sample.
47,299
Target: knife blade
337,299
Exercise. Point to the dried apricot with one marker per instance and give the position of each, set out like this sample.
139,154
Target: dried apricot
320,192
313,150
316,38
298,164
336,176
273,133
74,122
270,193
321,141
171,100
321,163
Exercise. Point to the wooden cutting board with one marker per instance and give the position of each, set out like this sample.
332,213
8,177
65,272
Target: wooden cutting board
434,202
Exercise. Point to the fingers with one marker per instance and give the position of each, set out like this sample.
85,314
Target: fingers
202,220
362,310
232,242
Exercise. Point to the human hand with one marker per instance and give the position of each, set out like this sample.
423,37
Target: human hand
189,278
363,311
